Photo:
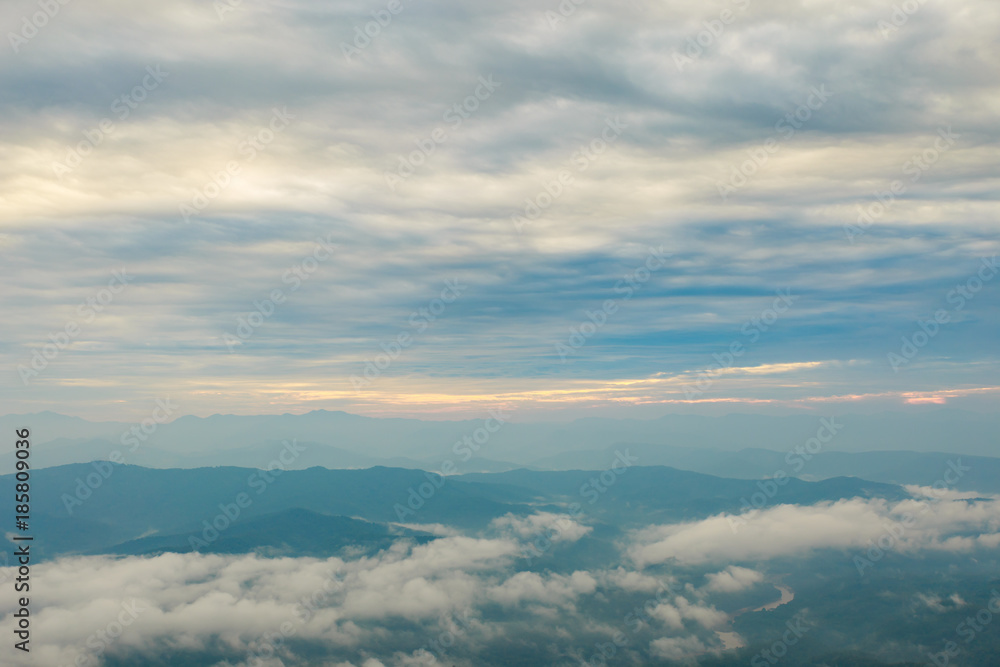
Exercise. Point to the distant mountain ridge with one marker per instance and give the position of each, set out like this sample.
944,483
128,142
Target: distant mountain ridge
925,429
977,473
107,508
293,532
715,445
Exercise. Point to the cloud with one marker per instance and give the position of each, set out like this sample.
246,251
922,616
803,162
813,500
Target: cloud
454,600
632,581
459,598
355,120
676,648
553,590
733,579
673,615
940,605
239,604
558,527
795,530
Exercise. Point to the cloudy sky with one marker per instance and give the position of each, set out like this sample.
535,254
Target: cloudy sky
461,185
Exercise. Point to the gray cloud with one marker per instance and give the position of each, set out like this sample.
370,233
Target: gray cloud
687,129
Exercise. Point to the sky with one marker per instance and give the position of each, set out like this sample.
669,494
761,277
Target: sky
604,208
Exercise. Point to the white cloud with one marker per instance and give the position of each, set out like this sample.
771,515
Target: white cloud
676,648
552,589
630,580
733,579
790,530
558,527
188,600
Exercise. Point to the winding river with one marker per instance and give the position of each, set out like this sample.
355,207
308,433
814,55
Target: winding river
732,640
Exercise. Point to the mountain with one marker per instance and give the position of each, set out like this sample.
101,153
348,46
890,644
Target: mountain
293,532
132,502
978,473
107,508
649,494
339,439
